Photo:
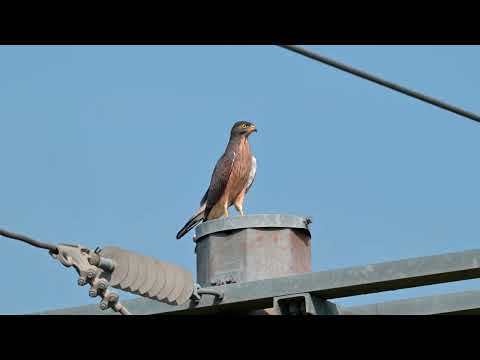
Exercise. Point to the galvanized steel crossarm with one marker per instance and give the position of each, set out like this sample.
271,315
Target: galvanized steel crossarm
350,281
325,284
467,302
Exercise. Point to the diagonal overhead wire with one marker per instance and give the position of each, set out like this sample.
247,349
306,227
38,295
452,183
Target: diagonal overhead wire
375,79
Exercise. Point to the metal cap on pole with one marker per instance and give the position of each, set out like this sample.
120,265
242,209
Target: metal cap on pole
252,247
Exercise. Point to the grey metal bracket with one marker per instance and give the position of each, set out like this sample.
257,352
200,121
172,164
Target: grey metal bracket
198,291
303,304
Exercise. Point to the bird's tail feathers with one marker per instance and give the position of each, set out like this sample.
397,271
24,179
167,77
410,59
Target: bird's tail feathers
192,222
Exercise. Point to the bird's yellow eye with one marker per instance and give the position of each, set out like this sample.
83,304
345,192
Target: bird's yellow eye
244,126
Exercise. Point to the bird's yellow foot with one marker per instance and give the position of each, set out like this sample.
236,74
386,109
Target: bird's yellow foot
239,209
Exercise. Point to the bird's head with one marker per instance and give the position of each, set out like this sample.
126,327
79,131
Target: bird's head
243,128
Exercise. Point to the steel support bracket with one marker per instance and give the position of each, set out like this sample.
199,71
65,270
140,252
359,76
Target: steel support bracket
303,304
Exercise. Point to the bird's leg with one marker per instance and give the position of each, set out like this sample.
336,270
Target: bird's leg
239,208
225,209
238,203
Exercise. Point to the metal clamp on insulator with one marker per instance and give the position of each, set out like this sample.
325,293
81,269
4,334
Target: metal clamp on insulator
103,263
110,300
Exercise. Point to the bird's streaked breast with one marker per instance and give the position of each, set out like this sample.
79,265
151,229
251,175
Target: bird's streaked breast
253,171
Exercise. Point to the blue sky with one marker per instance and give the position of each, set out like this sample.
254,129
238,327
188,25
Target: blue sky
115,145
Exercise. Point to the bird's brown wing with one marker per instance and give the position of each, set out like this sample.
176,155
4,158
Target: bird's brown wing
219,180
251,180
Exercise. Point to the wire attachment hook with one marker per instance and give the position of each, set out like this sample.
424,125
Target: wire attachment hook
199,291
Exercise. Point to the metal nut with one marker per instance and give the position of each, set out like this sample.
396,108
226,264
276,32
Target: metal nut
93,293
113,297
104,305
81,281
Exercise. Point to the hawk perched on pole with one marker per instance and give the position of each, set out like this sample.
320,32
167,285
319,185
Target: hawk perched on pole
231,179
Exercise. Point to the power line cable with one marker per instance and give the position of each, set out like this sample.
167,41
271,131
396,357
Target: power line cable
375,79
28,240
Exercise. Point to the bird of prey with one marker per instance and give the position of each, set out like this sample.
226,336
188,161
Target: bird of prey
231,179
